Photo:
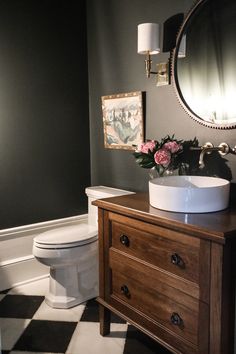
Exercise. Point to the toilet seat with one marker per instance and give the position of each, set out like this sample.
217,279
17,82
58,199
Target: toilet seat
67,237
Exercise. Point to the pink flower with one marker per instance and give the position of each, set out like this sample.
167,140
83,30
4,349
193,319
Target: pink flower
148,146
162,157
172,146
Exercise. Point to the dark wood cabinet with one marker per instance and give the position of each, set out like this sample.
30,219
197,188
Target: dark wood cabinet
169,274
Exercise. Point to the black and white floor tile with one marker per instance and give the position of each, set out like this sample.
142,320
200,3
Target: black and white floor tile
29,326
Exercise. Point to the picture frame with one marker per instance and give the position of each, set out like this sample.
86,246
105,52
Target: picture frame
123,120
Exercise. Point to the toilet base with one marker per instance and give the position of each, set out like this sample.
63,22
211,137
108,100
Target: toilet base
65,302
69,286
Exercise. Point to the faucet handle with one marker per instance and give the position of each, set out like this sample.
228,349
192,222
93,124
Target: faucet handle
224,149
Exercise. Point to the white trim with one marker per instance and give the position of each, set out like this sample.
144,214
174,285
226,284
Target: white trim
18,265
16,260
25,230
20,273
31,280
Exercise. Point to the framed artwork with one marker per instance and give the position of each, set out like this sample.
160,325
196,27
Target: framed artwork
123,120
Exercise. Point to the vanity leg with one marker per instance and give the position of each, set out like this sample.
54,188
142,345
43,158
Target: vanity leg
105,320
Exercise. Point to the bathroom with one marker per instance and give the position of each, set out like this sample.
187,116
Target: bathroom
51,137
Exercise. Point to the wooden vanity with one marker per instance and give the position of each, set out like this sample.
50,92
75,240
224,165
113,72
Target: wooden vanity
171,275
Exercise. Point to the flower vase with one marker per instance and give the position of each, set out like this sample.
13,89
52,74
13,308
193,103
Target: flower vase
171,170
163,172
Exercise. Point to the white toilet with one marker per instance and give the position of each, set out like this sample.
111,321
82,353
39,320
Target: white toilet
71,252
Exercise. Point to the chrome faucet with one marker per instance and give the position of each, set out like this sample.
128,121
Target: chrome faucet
208,147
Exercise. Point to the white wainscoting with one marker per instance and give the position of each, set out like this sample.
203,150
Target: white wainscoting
17,263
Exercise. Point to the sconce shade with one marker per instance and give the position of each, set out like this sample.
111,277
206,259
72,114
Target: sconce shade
148,38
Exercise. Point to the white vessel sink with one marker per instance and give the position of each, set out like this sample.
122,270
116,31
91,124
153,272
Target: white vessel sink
189,194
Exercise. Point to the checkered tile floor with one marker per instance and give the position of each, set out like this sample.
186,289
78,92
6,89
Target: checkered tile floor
28,325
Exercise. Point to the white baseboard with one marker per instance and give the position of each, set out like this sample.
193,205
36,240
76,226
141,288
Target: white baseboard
18,273
17,263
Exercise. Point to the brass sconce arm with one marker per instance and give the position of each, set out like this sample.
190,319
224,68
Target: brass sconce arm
148,66
162,70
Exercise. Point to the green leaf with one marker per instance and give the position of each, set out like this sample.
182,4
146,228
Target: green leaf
137,154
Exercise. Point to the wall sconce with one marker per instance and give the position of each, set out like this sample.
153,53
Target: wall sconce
148,43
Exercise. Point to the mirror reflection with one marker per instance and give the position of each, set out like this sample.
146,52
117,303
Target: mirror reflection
204,63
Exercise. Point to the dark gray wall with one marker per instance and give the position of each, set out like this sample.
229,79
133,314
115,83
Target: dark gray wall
115,67
44,123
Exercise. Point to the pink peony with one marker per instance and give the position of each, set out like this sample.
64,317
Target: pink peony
148,146
162,157
172,146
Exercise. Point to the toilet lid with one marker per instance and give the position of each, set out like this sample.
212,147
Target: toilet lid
67,236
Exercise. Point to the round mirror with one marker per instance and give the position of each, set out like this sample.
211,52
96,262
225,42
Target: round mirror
204,63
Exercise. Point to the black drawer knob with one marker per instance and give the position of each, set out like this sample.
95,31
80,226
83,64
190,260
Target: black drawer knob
125,290
176,319
176,259
124,240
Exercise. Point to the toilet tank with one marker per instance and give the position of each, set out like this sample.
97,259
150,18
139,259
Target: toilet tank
99,192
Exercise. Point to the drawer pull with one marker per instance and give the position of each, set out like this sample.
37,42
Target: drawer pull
177,260
124,240
125,291
176,319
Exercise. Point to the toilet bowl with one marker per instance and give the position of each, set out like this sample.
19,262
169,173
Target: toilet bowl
71,252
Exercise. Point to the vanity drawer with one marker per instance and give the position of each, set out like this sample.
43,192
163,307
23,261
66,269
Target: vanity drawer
140,288
176,253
